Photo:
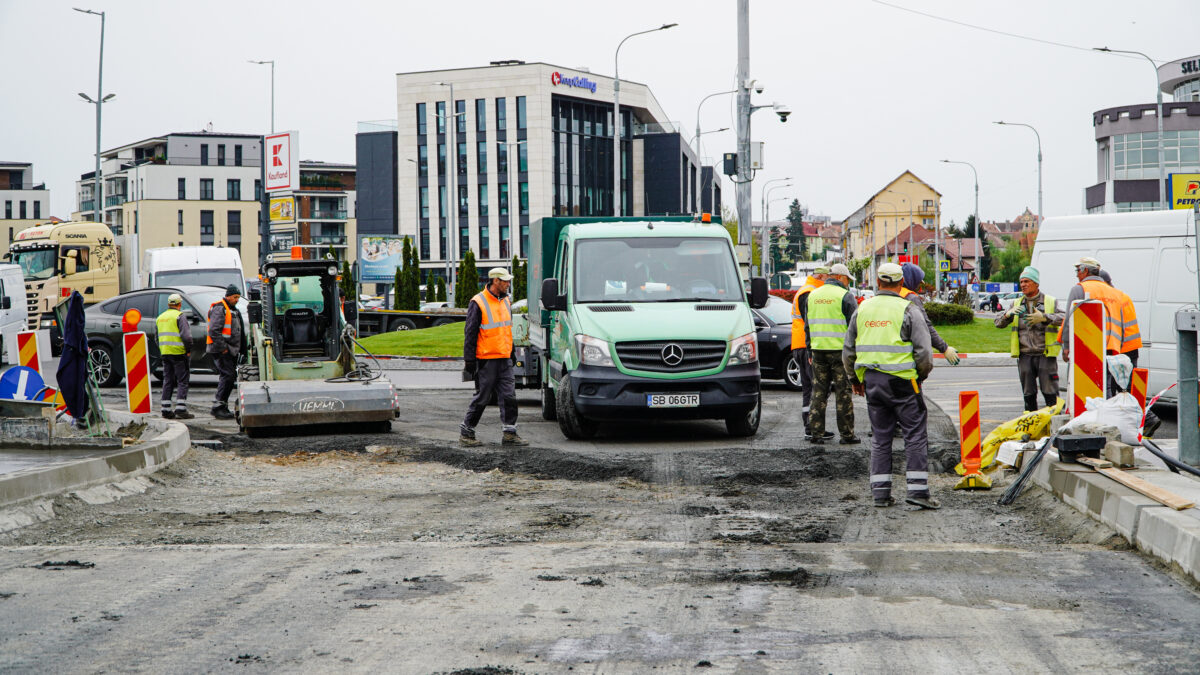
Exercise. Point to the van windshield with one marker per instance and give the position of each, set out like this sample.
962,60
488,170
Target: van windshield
37,263
214,277
655,269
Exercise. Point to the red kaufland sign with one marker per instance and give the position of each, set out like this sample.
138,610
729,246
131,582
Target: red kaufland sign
283,166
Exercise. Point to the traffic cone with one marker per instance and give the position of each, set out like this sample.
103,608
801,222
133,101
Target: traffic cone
968,425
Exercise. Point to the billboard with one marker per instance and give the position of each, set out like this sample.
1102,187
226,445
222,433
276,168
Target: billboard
379,256
283,210
1184,190
283,161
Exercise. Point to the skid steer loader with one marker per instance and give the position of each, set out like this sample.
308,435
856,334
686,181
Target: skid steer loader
301,368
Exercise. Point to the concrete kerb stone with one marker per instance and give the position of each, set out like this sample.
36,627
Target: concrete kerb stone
1173,536
169,444
980,359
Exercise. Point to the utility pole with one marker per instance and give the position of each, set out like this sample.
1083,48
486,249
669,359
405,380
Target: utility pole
98,194
1158,115
617,193
742,187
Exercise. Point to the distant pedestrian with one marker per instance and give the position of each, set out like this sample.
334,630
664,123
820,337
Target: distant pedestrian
829,310
887,357
225,338
1033,342
487,359
800,352
174,335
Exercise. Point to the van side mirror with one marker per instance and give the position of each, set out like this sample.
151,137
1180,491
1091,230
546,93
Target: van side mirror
6,302
551,300
759,292
254,313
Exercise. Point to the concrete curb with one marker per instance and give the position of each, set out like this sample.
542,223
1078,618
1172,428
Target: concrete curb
980,359
1169,535
172,441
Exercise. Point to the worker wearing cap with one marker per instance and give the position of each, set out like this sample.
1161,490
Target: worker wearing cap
1091,286
1034,339
886,357
829,310
174,335
1131,342
913,276
226,337
800,340
487,356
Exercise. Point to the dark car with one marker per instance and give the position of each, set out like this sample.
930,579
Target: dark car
774,325
102,322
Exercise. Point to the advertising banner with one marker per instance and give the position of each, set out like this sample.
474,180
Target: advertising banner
379,256
283,161
283,210
1183,189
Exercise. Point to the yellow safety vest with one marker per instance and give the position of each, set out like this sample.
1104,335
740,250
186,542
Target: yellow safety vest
1052,347
877,345
169,341
827,325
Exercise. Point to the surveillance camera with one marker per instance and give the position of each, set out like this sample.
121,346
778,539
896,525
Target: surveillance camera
783,111
758,87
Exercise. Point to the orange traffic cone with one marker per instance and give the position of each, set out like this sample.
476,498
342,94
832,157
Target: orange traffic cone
968,424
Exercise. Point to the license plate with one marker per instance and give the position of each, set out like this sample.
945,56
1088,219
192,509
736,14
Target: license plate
672,400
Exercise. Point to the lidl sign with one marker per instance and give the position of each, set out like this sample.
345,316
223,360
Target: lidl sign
1184,189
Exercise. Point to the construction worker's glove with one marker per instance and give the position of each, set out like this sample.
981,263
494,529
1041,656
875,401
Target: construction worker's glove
1015,310
469,370
951,355
1037,318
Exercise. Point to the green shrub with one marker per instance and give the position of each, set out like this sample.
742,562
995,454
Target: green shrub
942,314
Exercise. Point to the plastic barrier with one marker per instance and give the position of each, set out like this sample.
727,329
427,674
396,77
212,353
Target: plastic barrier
27,349
1087,354
137,373
968,427
1137,385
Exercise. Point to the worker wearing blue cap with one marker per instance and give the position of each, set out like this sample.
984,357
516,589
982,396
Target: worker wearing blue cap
1035,320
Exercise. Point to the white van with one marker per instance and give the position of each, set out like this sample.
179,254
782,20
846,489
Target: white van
191,266
14,313
1151,255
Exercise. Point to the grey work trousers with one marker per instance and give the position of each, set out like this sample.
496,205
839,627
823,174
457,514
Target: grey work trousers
226,367
830,374
1038,373
806,375
894,402
493,381
176,371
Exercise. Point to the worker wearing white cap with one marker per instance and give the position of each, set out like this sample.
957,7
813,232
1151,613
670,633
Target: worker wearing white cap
887,356
1033,341
829,310
174,335
487,357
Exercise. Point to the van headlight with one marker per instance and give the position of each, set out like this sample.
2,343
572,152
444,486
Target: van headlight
743,349
593,351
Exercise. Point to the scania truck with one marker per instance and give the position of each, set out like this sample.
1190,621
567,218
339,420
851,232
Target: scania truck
57,258
640,318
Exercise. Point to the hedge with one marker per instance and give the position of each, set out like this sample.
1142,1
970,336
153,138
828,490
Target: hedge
786,294
942,314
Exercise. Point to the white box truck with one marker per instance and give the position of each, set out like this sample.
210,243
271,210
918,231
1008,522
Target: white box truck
191,266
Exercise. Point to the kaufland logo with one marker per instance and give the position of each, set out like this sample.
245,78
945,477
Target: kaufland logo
556,78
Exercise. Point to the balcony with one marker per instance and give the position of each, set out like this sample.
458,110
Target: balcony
328,214
87,205
114,200
25,186
328,240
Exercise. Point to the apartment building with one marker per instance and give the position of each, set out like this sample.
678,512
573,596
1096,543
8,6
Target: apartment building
24,202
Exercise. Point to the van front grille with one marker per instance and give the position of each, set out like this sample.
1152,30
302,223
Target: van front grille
681,357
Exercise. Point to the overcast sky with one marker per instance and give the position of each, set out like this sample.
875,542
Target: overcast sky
875,90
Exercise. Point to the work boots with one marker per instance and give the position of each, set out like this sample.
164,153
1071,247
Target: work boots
183,414
222,413
511,438
467,439
168,415
924,502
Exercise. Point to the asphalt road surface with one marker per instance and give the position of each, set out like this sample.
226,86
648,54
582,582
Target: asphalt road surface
654,546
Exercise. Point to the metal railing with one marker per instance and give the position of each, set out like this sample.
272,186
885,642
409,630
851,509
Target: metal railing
329,214
25,186
328,239
87,205
114,200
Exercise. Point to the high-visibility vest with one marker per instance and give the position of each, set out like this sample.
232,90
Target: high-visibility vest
827,324
877,344
227,331
495,331
1131,336
904,292
1052,347
798,339
169,341
1098,290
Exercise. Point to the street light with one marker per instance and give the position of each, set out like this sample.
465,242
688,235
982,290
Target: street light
1039,143
978,225
698,132
1162,188
98,195
272,62
508,179
617,115
895,213
451,236
766,228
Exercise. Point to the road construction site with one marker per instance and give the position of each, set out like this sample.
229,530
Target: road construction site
652,546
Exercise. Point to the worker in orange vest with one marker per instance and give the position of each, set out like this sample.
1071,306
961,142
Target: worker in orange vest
1131,342
800,353
487,357
226,340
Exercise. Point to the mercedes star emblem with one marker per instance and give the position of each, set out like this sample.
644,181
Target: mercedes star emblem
672,354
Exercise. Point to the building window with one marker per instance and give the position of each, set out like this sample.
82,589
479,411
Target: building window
424,201
237,155
480,114
483,199
181,222
441,116
1135,156
204,154
460,116
422,160
206,188
233,190
183,188
504,199
524,188
521,112
464,205
8,209
422,129
37,209
258,189
206,223
462,158
481,156
501,115
22,209
441,159
442,201
233,227
221,154
522,157
502,158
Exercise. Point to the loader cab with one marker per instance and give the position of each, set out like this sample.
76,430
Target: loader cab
300,310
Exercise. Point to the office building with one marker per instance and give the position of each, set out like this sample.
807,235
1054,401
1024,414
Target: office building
24,202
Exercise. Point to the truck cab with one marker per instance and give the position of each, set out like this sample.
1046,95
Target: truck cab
59,258
642,318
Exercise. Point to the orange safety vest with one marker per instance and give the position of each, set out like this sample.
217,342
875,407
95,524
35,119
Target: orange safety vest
1131,336
495,331
798,339
1114,329
904,292
227,331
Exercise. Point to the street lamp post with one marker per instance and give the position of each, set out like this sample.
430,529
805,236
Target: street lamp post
448,118
1158,115
767,224
97,194
699,174
978,225
508,178
698,133
617,115
272,62
885,237
765,237
1039,144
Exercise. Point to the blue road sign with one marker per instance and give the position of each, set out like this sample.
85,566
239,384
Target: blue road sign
20,383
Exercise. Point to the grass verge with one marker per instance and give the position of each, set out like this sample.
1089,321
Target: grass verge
444,340
979,336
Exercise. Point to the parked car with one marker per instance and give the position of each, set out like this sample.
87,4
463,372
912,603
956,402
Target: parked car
102,322
430,306
774,325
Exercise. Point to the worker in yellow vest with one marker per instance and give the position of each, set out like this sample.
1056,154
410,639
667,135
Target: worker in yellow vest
174,335
487,357
829,310
800,354
1035,319
886,357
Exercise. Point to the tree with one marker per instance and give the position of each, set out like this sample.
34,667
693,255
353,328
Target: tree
409,286
968,232
468,280
439,290
520,284
797,242
397,301
349,288
1010,261
857,266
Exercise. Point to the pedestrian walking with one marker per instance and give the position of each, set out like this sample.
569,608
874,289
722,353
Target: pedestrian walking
913,276
829,310
487,356
174,335
226,335
800,351
887,356
1035,319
